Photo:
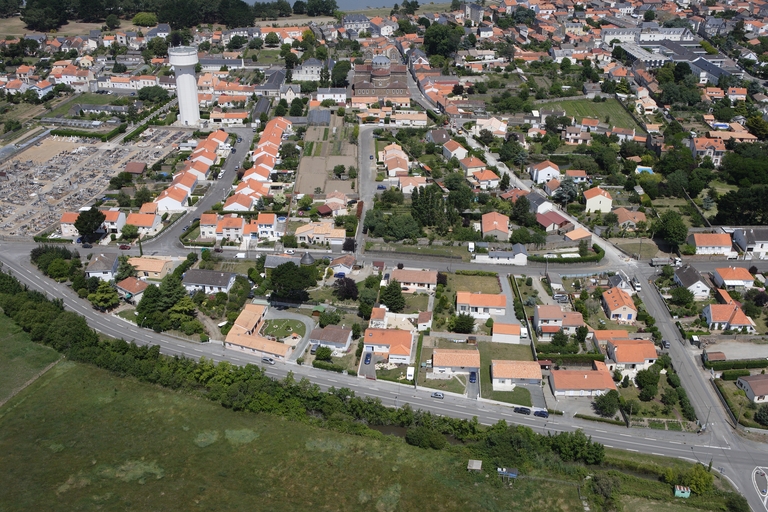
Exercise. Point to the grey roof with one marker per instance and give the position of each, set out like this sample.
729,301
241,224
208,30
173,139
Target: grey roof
615,280
330,334
102,263
262,105
440,136
312,62
754,235
319,117
355,18
516,249
307,259
536,200
688,276
202,277
555,278
332,90
275,260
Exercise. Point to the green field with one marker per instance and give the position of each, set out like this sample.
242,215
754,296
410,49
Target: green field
20,359
490,351
482,284
284,328
82,439
588,108
88,97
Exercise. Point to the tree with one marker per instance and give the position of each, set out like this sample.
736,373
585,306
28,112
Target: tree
145,19
671,228
340,72
323,354
88,222
462,323
129,232
560,339
124,269
105,297
442,39
670,397
153,94
565,65
346,289
350,245
392,296
649,15
608,404
272,39
291,281
142,196
299,7
504,183
761,415
681,296
329,318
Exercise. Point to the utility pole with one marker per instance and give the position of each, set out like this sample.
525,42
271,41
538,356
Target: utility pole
629,421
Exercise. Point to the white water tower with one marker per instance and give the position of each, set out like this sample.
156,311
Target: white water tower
184,59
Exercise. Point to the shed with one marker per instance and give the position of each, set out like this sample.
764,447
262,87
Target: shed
682,491
135,167
712,356
318,310
474,465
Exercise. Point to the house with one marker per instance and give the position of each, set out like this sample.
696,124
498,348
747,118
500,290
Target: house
418,279
628,219
547,321
594,382
538,203
486,179
713,148
343,264
471,164
331,336
448,361
337,94
230,227
603,336
711,243
208,281
516,256
244,335
713,356
378,318
131,289
618,306
320,233
551,220
496,226
630,356
737,93
172,199
439,137
114,220
690,279
754,241
505,375
506,333
577,175
481,306
152,268
146,222
732,278
407,184
543,172
598,200
453,149
551,186
103,266
727,317
267,226
755,386
67,225
395,344
424,321
621,282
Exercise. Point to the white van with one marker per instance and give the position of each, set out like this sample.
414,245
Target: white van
523,332
240,256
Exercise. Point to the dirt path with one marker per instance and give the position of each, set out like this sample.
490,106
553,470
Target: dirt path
211,326
30,381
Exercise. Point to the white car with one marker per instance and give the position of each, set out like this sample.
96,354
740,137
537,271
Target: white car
290,251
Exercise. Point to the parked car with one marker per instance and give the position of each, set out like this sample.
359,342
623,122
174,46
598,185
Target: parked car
240,256
87,246
541,414
371,157
290,251
522,410
218,249
124,247
405,288
665,344
339,275
381,187
438,394
234,150
367,358
267,360
386,276
239,139
79,240
313,350
472,377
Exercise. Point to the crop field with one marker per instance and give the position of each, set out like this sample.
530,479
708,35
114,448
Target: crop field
20,359
610,109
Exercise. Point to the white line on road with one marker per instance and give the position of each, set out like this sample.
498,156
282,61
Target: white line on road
601,431
659,454
197,350
631,450
625,435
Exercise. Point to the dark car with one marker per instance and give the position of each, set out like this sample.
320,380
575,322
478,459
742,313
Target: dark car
87,246
234,150
381,187
218,249
541,414
522,410
371,157
472,377
196,219
367,358
124,247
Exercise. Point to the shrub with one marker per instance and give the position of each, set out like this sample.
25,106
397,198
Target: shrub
734,374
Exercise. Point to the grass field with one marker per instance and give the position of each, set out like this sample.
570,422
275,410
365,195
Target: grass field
80,438
483,284
647,248
415,302
490,351
283,328
88,97
268,56
20,359
587,108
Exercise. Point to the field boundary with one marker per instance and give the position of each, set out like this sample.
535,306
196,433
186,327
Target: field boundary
30,381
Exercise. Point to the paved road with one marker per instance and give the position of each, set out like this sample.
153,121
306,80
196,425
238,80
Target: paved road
367,177
737,456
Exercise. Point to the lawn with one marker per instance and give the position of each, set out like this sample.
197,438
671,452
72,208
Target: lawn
482,284
738,403
527,291
647,248
88,97
610,111
70,446
268,56
490,351
283,328
415,302
20,358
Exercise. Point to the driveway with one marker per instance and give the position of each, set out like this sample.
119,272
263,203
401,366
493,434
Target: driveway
309,325
473,388
369,370
537,395
506,288
545,297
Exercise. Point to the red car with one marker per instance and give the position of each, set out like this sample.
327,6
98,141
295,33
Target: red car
124,247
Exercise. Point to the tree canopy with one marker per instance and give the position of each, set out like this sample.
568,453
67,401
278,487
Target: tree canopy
88,222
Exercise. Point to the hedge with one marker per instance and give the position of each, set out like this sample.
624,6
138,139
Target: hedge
735,374
598,256
572,358
740,364
601,420
479,273
135,133
66,132
44,239
323,365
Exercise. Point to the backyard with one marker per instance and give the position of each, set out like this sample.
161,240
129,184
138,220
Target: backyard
609,111
482,284
503,351
283,328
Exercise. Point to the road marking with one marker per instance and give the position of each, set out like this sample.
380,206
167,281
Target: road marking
676,442
625,435
659,454
601,431
608,446
631,450
197,350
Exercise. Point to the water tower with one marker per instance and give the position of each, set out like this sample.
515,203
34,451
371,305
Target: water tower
184,59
